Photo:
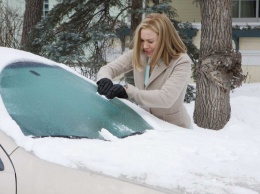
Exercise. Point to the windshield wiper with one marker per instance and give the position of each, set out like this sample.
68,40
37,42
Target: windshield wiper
132,134
63,136
82,137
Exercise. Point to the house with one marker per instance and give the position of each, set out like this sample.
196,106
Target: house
246,15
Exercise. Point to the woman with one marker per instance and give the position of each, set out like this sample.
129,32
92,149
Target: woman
161,70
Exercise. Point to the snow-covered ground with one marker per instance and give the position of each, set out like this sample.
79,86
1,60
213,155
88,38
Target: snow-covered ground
197,160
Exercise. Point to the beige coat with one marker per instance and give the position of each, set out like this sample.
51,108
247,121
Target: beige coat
165,91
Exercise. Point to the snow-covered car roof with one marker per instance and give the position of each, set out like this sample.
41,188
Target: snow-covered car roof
9,55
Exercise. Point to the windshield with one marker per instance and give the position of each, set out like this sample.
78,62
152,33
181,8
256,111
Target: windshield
51,101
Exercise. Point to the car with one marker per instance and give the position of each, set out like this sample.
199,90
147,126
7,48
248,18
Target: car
41,98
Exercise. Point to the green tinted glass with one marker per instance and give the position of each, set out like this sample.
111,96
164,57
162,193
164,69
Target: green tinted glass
51,101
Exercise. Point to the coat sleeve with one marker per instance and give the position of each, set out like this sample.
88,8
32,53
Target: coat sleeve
123,64
169,92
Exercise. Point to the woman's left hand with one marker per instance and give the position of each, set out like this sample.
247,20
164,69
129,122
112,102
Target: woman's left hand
117,90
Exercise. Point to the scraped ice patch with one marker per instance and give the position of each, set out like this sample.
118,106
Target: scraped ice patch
122,128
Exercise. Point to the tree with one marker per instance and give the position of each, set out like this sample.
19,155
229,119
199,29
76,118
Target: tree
80,32
77,33
187,32
136,18
10,27
32,15
219,68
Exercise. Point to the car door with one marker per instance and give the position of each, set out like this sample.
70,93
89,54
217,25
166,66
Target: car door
7,174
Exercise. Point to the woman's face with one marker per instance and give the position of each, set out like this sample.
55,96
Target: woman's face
149,40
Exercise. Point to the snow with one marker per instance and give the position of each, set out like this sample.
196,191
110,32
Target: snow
181,160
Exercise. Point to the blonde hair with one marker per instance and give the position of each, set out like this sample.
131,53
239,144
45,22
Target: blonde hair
169,44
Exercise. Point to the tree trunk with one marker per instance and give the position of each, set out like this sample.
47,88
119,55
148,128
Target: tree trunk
136,19
32,15
219,67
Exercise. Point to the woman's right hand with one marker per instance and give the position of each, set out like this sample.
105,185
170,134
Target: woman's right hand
104,86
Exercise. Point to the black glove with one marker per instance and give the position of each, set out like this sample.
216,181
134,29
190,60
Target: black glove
116,90
104,85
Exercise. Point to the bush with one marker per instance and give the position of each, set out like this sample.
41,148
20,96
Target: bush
190,94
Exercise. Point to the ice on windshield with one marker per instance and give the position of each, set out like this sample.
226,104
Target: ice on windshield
51,101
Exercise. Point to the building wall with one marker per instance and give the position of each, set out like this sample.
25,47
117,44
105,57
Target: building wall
249,43
252,73
187,10
250,50
251,65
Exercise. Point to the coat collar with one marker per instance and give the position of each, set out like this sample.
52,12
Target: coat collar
158,69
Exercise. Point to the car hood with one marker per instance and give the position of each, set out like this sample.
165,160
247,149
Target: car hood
7,143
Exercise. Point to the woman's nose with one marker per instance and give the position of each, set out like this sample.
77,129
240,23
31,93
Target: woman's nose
145,45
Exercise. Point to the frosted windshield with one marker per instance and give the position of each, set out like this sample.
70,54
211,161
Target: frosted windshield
51,101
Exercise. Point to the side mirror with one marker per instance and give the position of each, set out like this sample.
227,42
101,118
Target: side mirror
1,165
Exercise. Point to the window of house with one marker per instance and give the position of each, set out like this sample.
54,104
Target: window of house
246,10
45,8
